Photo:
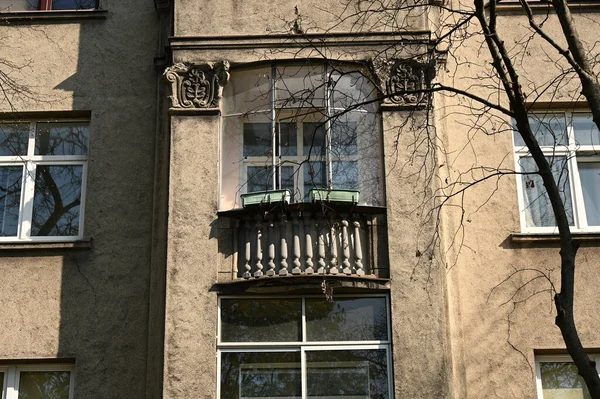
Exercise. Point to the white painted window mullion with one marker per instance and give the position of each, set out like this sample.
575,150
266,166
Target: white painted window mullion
27,200
12,383
303,372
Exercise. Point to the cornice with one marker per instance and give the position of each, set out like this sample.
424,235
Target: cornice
239,42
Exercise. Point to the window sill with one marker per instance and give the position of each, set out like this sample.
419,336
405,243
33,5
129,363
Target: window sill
552,237
304,285
8,17
85,244
239,213
584,5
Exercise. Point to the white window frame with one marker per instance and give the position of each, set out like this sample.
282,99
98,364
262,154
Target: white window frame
12,374
272,112
304,345
570,152
29,162
556,358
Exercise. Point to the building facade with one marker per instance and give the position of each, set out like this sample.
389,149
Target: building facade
239,200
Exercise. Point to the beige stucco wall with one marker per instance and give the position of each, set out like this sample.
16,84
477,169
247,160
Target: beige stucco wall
252,17
243,32
494,339
90,305
191,307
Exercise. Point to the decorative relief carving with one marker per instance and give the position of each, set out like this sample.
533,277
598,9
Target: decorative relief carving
404,82
197,86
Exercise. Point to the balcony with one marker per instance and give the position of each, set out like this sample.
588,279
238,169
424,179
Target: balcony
309,239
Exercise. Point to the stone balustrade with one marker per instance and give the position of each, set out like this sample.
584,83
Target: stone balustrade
309,240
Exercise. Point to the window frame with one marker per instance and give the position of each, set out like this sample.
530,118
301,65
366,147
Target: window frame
29,164
304,345
273,113
46,5
556,358
587,153
12,376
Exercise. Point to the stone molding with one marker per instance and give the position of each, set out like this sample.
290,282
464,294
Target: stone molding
403,82
197,86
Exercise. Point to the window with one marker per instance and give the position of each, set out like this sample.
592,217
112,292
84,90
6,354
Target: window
42,180
298,127
571,143
557,378
304,347
42,381
39,5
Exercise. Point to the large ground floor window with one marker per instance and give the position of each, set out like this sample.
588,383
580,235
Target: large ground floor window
305,347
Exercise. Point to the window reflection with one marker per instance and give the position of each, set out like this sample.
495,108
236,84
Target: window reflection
248,375
561,380
347,374
13,138
359,319
10,199
44,385
57,200
65,138
261,320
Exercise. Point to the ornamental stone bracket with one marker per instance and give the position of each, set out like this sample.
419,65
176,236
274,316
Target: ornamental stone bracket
403,82
197,86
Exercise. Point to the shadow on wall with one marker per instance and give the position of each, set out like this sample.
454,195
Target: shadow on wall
104,302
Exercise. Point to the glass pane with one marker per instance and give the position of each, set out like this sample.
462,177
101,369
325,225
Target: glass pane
300,87
248,91
343,140
589,173
44,385
13,138
10,199
263,375
560,380
538,211
288,145
73,4
345,175
260,178
352,89
315,176
258,140
586,131
353,319
287,179
261,320
549,130
64,138
19,5
313,139
357,374
57,200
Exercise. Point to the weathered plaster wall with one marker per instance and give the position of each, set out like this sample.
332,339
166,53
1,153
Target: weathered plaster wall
493,339
251,17
421,366
90,305
192,252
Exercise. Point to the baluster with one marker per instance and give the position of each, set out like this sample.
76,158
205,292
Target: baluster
333,245
296,239
247,250
259,253
358,250
236,247
345,248
271,241
283,270
308,269
321,238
